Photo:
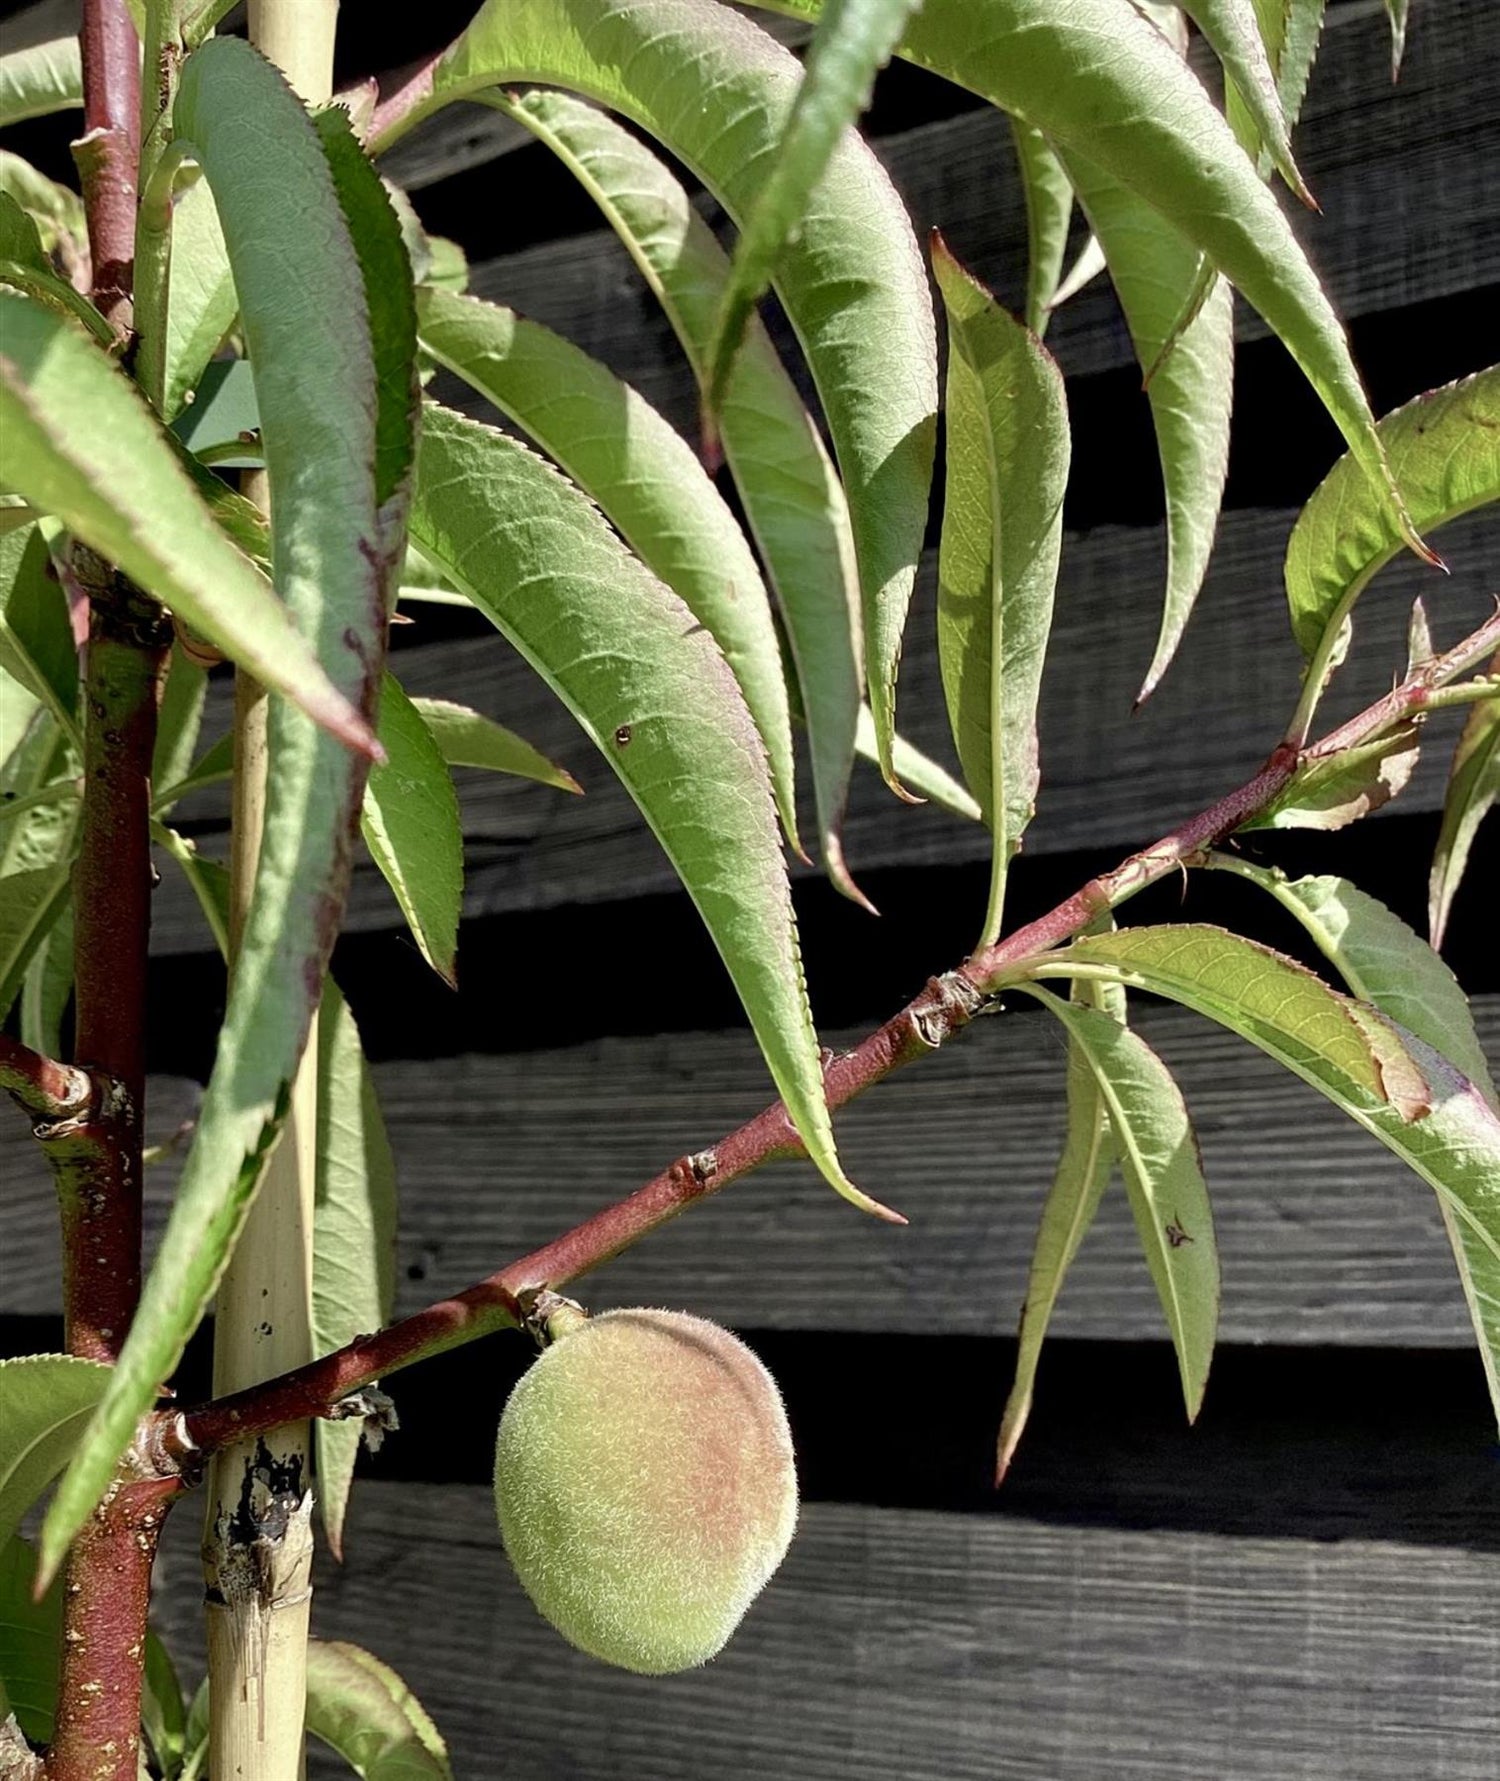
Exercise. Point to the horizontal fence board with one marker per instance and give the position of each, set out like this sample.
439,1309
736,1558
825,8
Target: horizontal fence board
1109,778
1325,1237
1408,178
918,1646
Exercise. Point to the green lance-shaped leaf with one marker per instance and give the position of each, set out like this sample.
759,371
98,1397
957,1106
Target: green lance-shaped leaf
354,1233
31,1634
1100,80
303,315
78,442
45,1403
1290,30
26,266
363,1710
467,738
650,689
1473,787
717,92
48,986
918,772
201,298
36,636
1048,193
791,495
222,416
1336,790
1190,378
207,879
43,78
1391,1083
39,786
163,1710
1383,962
38,840
385,269
1088,1157
1233,33
1386,964
648,481
411,826
1398,12
195,1741
997,565
1086,267
213,767
56,209
1158,1154
1445,448
178,722
852,41
33,900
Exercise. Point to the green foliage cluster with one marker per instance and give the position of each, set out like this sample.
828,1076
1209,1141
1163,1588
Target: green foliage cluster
289,312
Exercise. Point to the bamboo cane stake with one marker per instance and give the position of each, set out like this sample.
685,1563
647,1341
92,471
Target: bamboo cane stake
258,1540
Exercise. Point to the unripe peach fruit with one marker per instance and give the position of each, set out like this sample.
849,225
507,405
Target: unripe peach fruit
645,1486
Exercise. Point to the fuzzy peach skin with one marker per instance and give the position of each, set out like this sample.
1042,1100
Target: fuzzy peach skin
645,1486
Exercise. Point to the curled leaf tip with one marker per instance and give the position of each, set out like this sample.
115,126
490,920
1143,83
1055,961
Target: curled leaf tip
335,714
888,774
1005,1451
1418,544
839,875
859,1198
1166,654
1299,187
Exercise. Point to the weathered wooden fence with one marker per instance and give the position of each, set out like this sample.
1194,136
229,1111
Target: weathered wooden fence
1306,1586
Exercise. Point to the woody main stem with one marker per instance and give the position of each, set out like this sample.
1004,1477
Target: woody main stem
95,1155
947,1005
93,1143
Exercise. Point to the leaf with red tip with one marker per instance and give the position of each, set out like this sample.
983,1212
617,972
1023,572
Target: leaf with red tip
1158,1155
997,562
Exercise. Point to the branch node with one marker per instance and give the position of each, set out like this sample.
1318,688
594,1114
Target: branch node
373,1408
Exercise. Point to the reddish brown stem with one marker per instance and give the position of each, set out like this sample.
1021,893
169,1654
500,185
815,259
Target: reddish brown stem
40,1085
1132,875
95,1153
108,152
98,1156
97,1730
946,1005
1411,698
402,92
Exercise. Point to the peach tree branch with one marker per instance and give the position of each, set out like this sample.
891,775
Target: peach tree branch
946,1005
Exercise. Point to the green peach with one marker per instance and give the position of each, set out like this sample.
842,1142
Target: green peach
645,1486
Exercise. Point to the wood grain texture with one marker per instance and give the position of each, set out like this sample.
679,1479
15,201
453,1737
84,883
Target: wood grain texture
1408,215
919,1646
1325,1237
1109,778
